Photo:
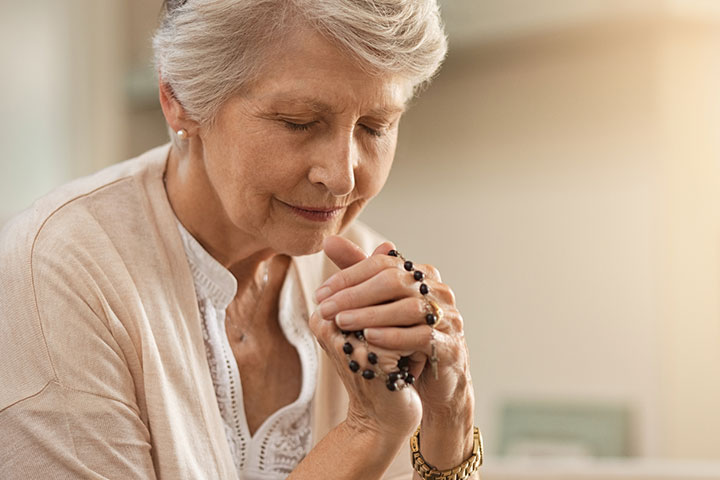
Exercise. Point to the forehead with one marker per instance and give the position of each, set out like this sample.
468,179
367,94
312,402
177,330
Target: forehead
306,70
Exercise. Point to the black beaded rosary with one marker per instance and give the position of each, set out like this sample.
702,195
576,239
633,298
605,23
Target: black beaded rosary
400,378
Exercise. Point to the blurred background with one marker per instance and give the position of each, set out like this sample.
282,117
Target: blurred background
563,172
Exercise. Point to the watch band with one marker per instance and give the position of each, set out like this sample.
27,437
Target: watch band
461,472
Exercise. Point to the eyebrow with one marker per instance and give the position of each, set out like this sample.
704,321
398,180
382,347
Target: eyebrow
318,106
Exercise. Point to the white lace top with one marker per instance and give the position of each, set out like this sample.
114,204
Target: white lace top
284,439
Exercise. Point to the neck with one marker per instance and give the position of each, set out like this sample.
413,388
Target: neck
186,182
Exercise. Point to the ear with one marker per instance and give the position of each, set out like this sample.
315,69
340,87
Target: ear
173,110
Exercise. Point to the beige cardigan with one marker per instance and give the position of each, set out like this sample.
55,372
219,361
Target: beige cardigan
103,372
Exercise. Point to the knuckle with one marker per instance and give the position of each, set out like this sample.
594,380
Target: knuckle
428,335
433,272
444,293
456,354
418,306
457,322
450,295
392,276
460,322
340,281
371,316
382,261
346,297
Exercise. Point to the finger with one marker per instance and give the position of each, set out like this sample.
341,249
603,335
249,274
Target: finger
364,270
358,273
371,362
368,356
343,252
415,339
401,313
384,248
388,285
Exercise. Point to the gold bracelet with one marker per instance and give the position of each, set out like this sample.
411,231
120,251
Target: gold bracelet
461,472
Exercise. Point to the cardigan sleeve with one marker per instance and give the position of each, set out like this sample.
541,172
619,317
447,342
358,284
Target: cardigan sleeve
67,399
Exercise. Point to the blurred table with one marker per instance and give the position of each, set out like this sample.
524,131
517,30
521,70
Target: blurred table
598,469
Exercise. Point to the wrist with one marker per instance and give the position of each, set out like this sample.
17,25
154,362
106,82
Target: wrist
457,412
350,450
463,471
372,440
447,432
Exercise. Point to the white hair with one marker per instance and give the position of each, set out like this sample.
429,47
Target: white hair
208,50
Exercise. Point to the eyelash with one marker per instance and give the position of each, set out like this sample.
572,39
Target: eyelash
298,127
303,127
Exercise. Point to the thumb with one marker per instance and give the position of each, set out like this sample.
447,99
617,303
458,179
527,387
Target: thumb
384,248
343,252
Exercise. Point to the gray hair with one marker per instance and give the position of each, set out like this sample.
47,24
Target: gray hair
208,50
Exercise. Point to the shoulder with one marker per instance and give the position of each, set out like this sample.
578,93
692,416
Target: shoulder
67,200
53,256
62,216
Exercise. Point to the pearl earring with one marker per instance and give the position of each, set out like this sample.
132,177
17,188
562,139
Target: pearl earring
182,134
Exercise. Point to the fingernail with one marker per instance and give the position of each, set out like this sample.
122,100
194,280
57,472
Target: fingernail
322,293
327,281
371,334
345,320
328,309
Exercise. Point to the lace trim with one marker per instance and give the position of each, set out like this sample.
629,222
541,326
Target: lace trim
284,439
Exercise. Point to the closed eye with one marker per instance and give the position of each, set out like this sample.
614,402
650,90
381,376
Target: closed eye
372,131
298,127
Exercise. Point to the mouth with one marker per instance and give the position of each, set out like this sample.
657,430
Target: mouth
317,214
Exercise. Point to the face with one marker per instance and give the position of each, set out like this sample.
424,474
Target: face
297,156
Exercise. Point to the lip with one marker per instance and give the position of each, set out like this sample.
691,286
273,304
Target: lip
317,214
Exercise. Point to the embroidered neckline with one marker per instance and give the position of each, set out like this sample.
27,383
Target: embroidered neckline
284,438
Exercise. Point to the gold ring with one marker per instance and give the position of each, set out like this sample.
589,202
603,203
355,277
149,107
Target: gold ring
434,313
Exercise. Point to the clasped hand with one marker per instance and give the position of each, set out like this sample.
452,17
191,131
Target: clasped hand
378,296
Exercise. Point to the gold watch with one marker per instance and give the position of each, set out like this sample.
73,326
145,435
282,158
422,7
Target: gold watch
461,472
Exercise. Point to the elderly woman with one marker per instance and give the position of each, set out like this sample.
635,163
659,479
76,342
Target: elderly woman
162,317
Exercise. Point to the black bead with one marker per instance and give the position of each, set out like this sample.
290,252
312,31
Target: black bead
424,289
345,332
372,358
408,265
393,376
431,318
403,375
391,386
359,335
410,379
404,363
354,366
368,374
393,253
347,348
418,275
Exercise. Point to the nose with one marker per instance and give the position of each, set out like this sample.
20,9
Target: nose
334,164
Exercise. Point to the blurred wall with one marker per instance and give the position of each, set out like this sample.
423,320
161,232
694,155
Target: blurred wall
566,184
62,103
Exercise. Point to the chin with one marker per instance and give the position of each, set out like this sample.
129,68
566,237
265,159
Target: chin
303,244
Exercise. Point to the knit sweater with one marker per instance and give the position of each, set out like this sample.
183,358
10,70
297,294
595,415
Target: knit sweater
103,370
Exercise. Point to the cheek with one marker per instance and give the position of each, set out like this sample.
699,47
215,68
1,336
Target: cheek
257,165
371,178
371,181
